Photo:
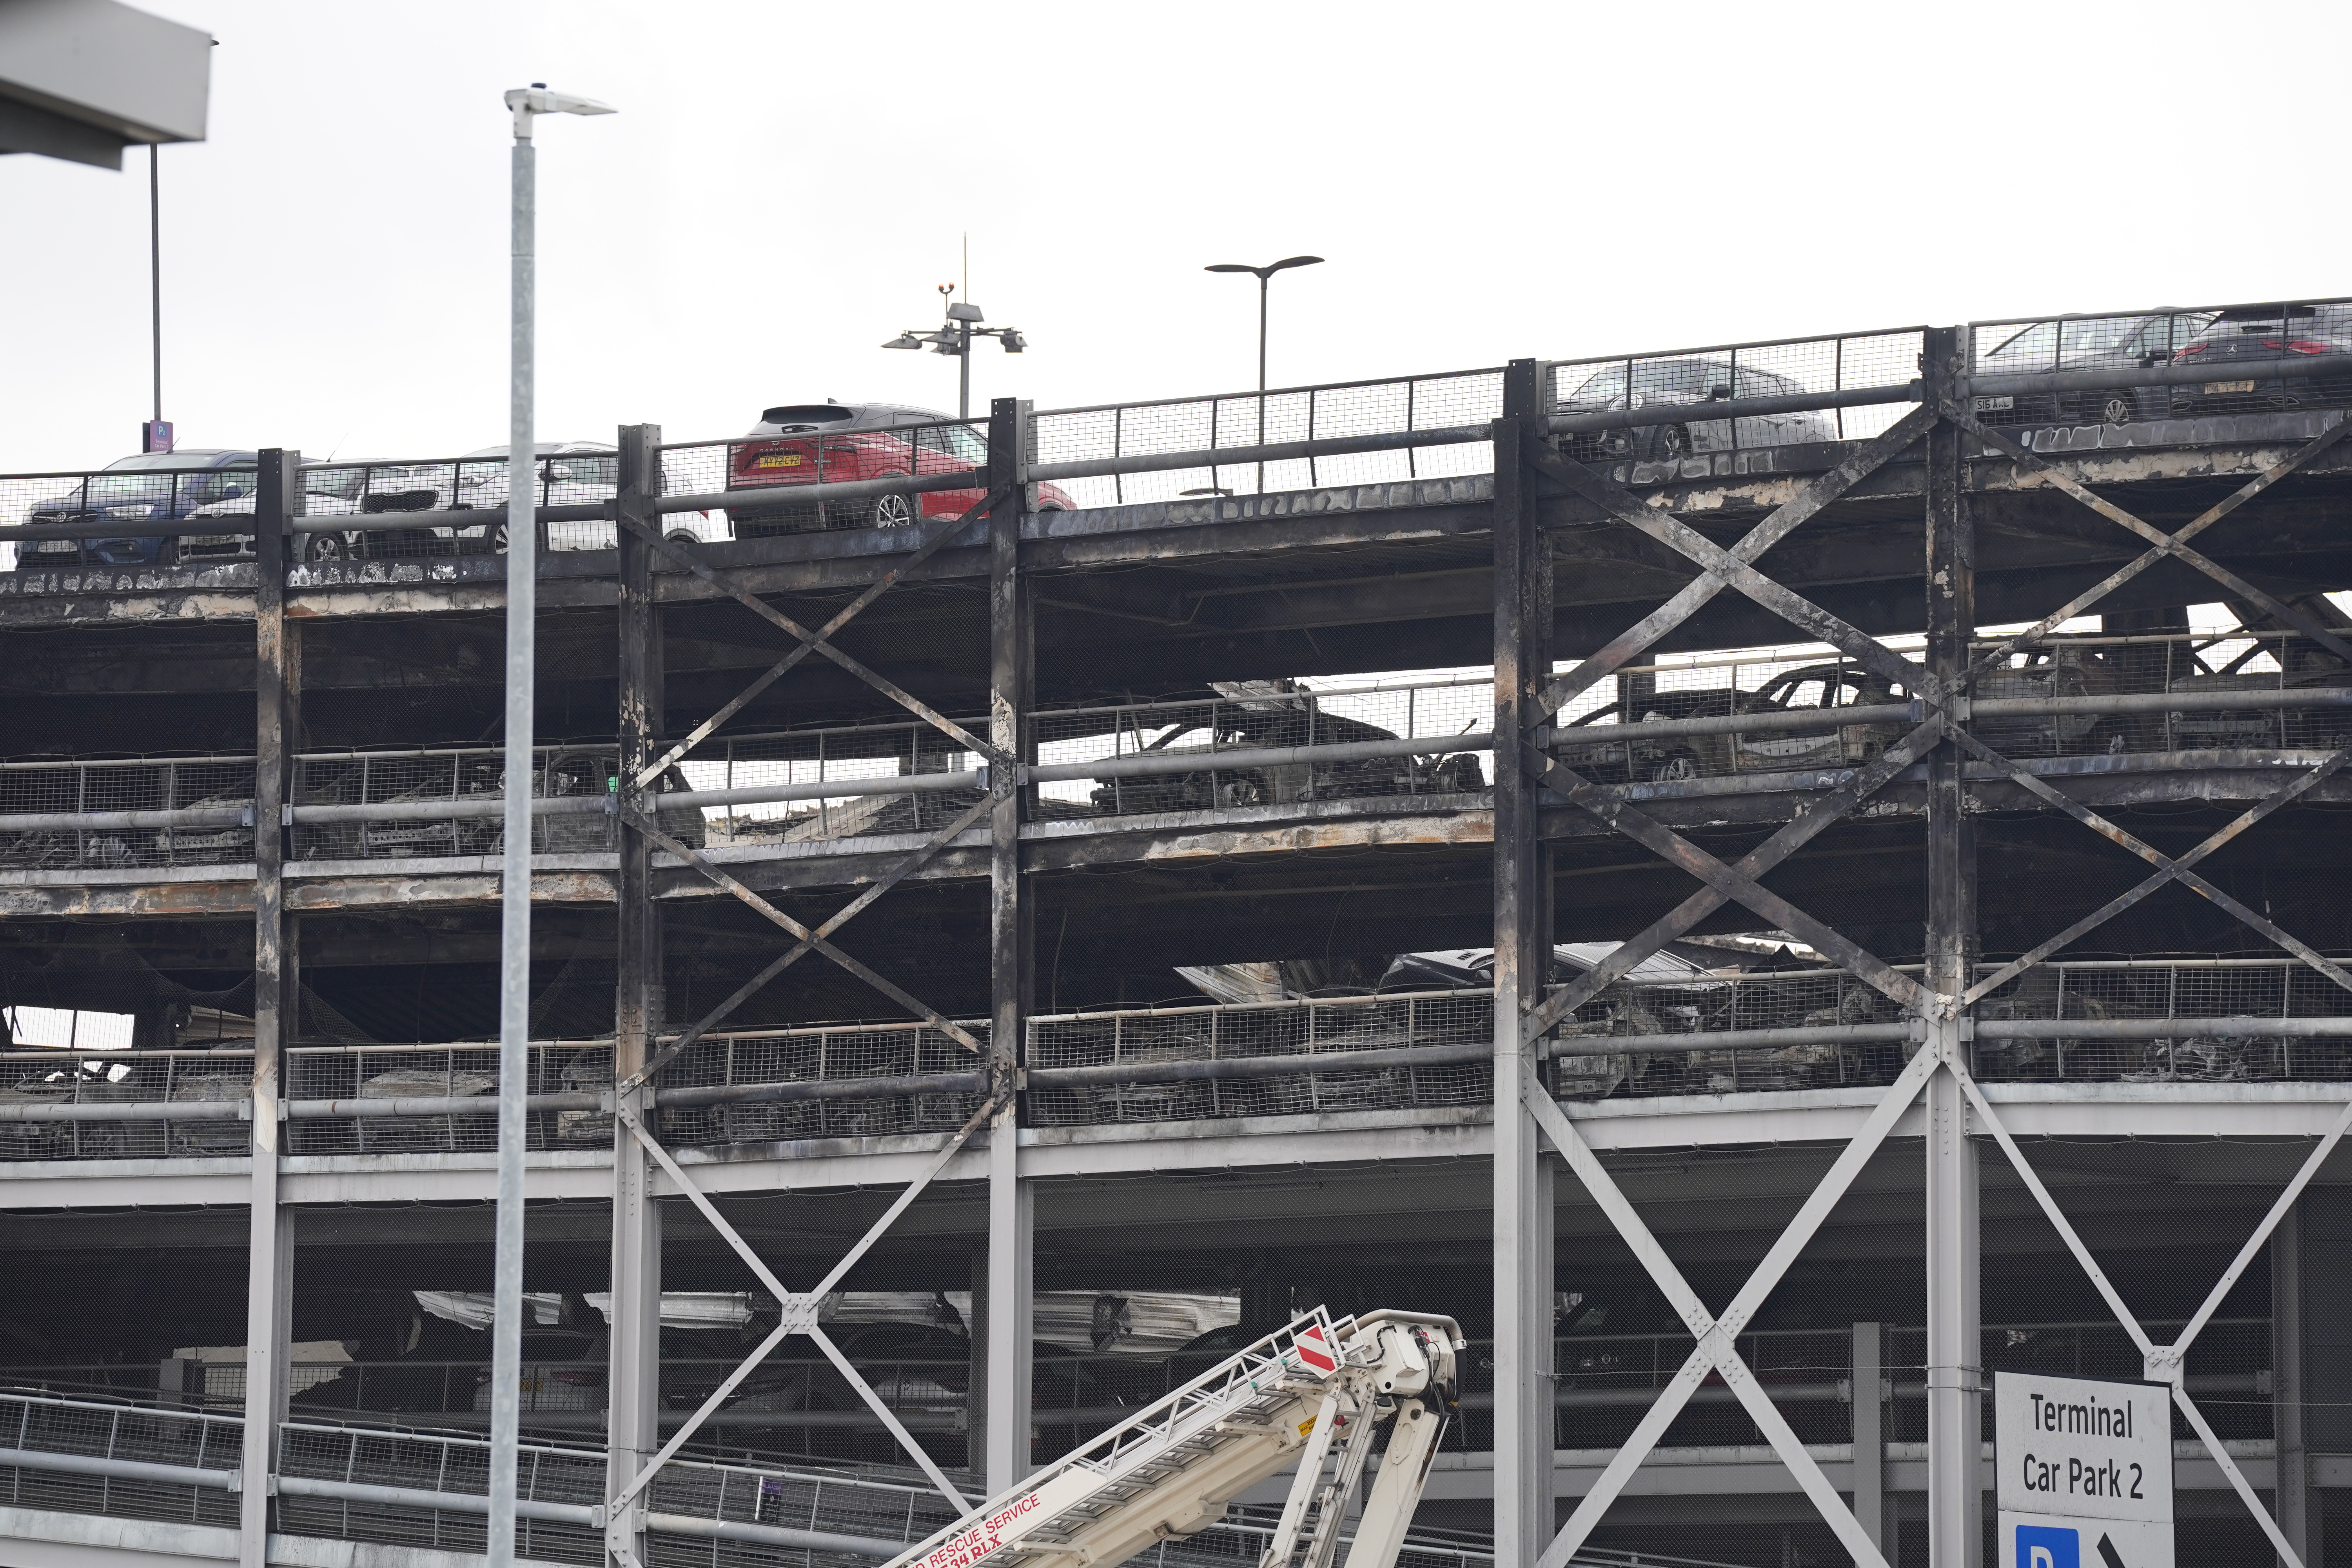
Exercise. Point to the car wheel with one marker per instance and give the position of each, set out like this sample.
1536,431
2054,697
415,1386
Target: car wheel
167,552
1675,769
498,539
682,537
890,511
1673,443
324,548
2117,408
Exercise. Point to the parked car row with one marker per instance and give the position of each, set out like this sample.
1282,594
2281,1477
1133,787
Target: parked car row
2245,347
792,445
2241,349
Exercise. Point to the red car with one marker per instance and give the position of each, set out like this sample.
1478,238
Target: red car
830,443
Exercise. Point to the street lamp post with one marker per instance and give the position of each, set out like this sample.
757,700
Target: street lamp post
955,338
1265,275
514,904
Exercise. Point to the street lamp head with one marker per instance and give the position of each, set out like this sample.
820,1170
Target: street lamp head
527,101
904,341
1263,273
960,311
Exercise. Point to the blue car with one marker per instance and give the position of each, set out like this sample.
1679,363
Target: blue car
154,486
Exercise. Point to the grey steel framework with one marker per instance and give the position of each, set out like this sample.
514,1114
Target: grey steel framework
1548,1081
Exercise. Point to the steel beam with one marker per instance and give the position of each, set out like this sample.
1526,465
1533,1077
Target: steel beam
2290,1446
632,1412
269,1262
1955,1510
1012,1211
1868,1404
1522,1281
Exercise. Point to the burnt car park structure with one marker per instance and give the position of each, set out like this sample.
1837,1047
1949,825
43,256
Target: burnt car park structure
1826,924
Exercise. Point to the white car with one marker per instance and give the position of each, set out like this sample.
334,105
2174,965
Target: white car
327,493
571,473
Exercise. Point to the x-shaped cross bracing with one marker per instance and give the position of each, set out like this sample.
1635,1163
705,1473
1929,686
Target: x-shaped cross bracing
1002,780
1719,569
1718,1349
2161,545
799,1308
2166,1364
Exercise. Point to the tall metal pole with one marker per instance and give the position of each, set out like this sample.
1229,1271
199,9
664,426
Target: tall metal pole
1264,283
963,370
514,924
156,271
1265,280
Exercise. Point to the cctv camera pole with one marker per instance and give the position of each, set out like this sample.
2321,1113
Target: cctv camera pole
963,370
514,913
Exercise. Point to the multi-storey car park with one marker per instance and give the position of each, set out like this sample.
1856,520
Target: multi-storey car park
1748,1082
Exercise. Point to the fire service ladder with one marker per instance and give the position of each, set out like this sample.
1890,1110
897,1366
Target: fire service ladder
1314,1395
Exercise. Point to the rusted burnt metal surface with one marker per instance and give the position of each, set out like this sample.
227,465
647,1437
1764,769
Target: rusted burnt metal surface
2110,783
1429,509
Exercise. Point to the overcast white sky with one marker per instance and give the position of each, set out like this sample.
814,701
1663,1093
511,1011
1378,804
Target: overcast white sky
786,183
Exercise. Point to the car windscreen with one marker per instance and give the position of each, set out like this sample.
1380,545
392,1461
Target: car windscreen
125,481
343,484
583,468
1671,380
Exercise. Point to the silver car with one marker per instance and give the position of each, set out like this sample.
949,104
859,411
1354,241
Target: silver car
1651,382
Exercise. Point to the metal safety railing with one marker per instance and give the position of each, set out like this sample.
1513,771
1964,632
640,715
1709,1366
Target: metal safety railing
1671,1027
2163,370
94,1456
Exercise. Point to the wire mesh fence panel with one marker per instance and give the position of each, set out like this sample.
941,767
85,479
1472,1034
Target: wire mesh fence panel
1253,419
2244,992
830,444
1789,369
475,777
1604,1384
430,1462
56,1077
1778,689
835,1056
857,755
141,491
358,1074
1317,1027
1251,715
2203,667
802,1498
1698,1003
34,1424
223,784
2240,359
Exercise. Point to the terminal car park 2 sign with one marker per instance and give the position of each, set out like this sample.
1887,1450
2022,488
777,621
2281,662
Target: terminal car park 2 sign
2084,1472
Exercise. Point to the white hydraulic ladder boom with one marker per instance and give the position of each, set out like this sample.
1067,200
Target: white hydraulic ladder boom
1314,1394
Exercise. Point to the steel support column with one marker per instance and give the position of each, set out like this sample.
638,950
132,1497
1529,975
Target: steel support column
1954,1508
1523,1219
1011,1204
632,1424
270,1253
1869,1410
2287,1396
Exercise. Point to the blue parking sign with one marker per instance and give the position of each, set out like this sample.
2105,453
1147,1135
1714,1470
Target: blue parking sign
2048,1546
